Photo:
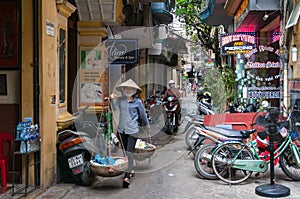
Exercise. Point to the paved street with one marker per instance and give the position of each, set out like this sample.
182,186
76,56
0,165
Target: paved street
169,174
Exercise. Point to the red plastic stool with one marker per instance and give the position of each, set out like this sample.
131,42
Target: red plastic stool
6,141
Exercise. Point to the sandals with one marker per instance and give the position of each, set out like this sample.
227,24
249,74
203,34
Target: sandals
131,174
126,183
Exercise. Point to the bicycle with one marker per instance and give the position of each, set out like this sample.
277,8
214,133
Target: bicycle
234,162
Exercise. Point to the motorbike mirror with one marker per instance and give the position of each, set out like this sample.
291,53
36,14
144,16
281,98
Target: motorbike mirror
265,104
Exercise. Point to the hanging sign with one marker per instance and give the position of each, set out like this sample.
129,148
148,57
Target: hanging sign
234,43
122,51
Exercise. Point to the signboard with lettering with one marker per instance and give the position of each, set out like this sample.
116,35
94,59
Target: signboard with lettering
92,79
266,75
49,28
122,51
240,42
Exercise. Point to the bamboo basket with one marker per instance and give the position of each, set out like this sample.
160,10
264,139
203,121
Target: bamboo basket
144,153
110,170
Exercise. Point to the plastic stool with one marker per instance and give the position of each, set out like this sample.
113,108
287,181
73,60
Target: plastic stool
6,141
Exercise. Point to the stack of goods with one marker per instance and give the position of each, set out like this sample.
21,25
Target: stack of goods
28,134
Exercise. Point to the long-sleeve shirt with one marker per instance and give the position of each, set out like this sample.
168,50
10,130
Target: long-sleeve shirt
130,114
172,91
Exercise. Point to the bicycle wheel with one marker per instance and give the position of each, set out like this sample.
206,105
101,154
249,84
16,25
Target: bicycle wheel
288,165
222,166
190,138
202,162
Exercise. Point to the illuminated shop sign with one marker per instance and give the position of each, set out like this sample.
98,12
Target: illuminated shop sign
275,36
268,64
237,43
256,71
264,94
262,48
121,51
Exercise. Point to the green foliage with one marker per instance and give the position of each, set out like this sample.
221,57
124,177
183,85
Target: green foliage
221,80
206,35
221,85
213,78
228,77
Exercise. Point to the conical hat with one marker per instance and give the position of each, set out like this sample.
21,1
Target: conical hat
129,83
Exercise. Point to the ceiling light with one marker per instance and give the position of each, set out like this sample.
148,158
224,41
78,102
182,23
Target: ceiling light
266,16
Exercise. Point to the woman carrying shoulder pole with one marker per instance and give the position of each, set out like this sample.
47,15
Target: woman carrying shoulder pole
131,113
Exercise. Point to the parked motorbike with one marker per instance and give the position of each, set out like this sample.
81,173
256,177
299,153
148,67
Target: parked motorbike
204,103
238,108
191,135
171,106
217,136
205,108
76,146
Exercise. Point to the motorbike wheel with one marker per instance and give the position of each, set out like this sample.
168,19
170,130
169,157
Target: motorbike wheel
203,142
87,176
190,138
202,162
187,126
222,166
169,126
288,165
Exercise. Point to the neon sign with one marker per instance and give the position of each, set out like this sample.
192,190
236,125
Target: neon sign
237,43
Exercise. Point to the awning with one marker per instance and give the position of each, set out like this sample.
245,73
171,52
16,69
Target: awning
175,43
231,6
293,19
215,15
144,35
106,11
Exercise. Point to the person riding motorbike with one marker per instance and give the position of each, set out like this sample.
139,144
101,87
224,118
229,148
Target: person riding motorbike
173,91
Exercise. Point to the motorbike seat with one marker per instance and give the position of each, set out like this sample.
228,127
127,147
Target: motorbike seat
195,117
231,133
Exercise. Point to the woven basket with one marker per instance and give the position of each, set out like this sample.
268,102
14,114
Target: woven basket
110,170
144,153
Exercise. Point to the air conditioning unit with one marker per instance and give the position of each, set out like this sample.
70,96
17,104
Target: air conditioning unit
156,49
160,32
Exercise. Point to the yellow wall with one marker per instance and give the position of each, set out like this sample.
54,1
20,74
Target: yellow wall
27,71
27,59
48,75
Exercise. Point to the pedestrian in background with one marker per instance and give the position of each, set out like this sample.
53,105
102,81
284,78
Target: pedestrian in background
194,87
132,113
